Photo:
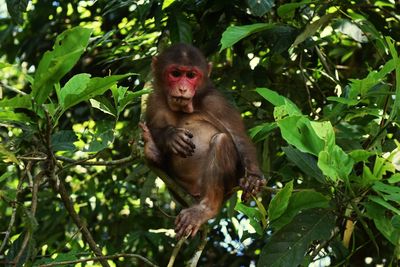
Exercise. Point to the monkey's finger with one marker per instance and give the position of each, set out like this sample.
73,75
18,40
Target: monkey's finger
177,219
188,142
188,134
182,230
183,152
188,230
194,231
186,145
178,151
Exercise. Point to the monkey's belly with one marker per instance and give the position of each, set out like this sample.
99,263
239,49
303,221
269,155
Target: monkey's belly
189,170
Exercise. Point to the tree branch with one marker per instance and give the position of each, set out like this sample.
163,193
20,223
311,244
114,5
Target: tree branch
59,187
176,251
177,190
100,258
200,248
35,188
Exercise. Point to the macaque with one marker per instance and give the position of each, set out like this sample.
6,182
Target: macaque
197,137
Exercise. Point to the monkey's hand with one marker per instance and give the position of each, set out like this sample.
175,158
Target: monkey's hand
251,185
189,220
179,141
151,152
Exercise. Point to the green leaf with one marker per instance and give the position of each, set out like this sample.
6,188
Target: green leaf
393,51
381,167
69,94
395,178
280,202
7,155
54,64
8,195
260,132
335,163
24,101
343,100
6,175
396,222
103,136
350,29
312,28
277,100
384,203
102,103
81,88
63,141
13,116
383,222
180,28
305,162
287,10
287,247
360,155
298,131
263,212
234,34
392,191
254,216
362,86
260,7
167,3
129,97
298,202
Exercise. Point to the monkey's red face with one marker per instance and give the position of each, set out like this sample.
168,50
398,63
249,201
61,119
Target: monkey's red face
182,83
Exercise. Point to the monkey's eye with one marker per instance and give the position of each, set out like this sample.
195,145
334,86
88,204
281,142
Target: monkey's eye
176,73
191,74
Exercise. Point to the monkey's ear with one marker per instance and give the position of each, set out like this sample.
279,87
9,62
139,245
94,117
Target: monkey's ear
154,63
209,68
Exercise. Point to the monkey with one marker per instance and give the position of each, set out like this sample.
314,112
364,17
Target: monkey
197,137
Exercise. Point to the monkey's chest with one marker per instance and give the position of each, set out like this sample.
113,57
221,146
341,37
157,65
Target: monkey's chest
187,170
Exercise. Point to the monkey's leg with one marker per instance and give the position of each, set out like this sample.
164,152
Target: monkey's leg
151,151
219,171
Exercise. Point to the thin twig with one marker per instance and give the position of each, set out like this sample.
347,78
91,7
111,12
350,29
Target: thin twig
326,66
15,90
305,83
325,243
178,191
110,257
59,187
34,185
32,158
200,248
176,251
95,163
13,214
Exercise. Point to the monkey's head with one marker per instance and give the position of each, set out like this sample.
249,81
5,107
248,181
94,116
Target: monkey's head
180,72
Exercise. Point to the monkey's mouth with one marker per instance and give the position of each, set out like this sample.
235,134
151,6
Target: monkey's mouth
181,100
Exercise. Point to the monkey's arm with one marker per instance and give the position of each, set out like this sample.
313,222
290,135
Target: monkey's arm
229,120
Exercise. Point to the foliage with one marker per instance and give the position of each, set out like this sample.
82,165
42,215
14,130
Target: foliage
317,83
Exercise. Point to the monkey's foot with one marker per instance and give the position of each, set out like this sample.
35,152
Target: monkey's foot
151,152
251,186
189,221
